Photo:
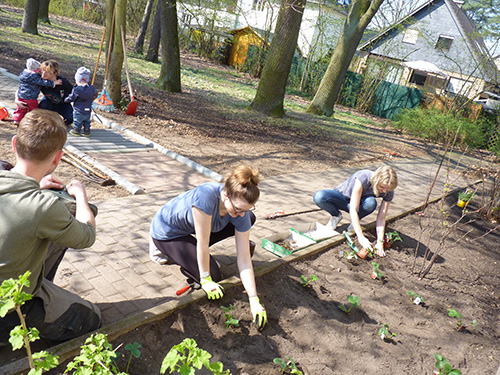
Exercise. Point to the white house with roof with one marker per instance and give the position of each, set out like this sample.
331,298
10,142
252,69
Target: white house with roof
436,48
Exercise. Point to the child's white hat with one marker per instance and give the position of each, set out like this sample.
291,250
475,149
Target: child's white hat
82,74
32,64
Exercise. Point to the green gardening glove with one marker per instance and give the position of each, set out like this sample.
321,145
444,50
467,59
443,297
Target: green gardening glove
213,290
258,312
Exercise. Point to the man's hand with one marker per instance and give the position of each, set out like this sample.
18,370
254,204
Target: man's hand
50,182
57,82
76,189
258,312
213,290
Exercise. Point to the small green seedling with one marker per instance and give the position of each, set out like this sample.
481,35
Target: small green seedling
134,351
385,333
288,365
455,314
393,236
353,300
183,362
443,367
377,274
231,321
415,298
305,282
96,357
351,254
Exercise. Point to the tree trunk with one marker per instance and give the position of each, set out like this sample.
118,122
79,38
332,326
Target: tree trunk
360,14
110,12
271,91
30,18
116,61
43,11
154,43
141,35
170,75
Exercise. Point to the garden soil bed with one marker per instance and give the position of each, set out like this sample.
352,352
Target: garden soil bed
307,324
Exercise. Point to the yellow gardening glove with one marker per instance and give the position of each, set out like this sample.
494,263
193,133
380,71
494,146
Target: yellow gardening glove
258,312
213,290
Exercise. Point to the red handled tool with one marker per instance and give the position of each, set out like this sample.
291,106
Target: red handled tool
183,290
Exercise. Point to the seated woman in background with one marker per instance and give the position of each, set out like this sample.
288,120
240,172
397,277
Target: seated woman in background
357,196
53,97
184,229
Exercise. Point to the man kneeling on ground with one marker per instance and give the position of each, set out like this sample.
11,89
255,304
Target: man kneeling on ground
36,228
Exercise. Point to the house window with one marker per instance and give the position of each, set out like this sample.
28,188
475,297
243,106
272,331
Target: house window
410,36
444,43
186,18
258,5
418,78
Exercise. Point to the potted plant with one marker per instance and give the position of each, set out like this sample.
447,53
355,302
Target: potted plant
364,253
391,237
464,197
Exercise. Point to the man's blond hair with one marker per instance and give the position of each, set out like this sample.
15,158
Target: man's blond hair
40,134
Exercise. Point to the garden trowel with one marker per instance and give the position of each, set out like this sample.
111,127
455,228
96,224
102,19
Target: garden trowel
349,242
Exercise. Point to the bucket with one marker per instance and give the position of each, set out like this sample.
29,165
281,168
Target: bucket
3,113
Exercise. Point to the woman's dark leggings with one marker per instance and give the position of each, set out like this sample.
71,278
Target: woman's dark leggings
182,251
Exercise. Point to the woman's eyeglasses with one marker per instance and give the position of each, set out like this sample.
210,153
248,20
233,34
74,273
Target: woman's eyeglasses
239,210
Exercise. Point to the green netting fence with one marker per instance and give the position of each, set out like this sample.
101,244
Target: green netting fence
389,98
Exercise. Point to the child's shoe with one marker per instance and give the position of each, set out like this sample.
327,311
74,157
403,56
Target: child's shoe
74,132
86,133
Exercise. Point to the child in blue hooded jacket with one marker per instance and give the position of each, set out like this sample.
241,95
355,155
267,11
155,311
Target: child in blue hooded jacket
81,97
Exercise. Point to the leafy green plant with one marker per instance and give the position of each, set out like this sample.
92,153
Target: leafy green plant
443,367
12,297
385,333
305,282
393,236
354,302
231,321
377,274
455,314
288,365
185,357
415,298
134,351
434,125
96,357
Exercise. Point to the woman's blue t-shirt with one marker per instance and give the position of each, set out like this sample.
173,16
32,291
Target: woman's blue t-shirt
175,219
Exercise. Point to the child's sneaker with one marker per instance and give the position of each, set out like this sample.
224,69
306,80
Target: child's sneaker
74,132
86,133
